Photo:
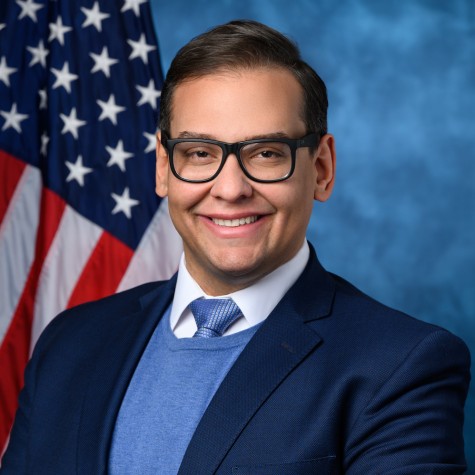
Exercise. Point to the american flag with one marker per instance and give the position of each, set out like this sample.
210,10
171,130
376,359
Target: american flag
80,87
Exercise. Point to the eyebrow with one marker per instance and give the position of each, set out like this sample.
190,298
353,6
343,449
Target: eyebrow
194,135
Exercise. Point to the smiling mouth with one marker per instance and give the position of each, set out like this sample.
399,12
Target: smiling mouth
233,223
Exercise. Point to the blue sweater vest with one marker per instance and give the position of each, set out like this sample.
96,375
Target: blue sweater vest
167,396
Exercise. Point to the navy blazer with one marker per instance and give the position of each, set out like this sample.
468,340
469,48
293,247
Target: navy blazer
332,382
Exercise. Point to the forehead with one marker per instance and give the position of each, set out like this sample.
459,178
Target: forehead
233,105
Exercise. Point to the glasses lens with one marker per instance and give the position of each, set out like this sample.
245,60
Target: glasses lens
267,160
196,160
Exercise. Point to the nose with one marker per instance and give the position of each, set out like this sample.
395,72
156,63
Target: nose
231,184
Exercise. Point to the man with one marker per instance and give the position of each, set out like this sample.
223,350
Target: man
291,370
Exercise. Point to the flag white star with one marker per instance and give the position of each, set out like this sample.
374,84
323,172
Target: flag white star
118,155
140,49
13,119
63,77
28,8
94,16
44,144
149,94
124,203
43,98
77,171
38,54
2,26
133,5
102,62
152,142
5,71
57,31
110,109
71,123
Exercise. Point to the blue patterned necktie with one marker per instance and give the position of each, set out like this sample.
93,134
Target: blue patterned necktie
213,316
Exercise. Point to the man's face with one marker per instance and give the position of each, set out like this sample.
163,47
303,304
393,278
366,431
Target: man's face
233,107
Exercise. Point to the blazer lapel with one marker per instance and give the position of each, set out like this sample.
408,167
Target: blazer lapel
281,343
108,383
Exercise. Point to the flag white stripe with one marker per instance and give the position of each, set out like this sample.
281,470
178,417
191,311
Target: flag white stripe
17,243
158,253
70,250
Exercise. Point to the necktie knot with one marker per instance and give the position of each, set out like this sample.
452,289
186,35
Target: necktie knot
214,316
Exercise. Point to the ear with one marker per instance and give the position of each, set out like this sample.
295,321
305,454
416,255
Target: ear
325,163
161,171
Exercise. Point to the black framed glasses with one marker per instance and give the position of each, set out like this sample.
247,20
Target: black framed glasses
262,160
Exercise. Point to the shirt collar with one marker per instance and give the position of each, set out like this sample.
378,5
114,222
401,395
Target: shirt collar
256,302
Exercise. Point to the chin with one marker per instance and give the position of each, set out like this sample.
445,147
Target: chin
235,268
236,265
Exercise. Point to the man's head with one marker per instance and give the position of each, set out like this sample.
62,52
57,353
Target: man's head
241,45
235,227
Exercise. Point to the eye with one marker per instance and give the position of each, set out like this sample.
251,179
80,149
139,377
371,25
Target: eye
197,152
268,154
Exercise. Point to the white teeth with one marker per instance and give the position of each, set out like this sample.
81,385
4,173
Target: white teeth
232,223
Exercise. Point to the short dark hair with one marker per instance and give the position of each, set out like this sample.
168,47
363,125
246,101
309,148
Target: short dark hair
245,44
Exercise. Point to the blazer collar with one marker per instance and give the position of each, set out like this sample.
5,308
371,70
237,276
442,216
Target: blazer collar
311,297
281,343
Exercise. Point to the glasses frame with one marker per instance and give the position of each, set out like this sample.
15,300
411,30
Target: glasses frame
310,140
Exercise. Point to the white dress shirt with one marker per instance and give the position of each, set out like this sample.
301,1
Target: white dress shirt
256,302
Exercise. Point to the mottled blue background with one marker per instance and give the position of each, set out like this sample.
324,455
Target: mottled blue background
401,82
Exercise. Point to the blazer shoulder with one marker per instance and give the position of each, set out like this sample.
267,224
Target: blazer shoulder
98,316
126,301
381,327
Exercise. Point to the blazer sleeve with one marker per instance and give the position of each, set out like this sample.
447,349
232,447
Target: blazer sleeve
413,423
16,457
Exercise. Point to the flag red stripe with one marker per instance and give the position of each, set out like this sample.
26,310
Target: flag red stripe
11,170
15,348
109,260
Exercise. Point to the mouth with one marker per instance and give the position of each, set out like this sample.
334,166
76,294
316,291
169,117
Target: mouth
234,223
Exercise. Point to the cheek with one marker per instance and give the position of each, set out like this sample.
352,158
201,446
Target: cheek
183,199
177,205
183,195
296,204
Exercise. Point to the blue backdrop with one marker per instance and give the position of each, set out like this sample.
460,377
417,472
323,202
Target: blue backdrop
401,83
